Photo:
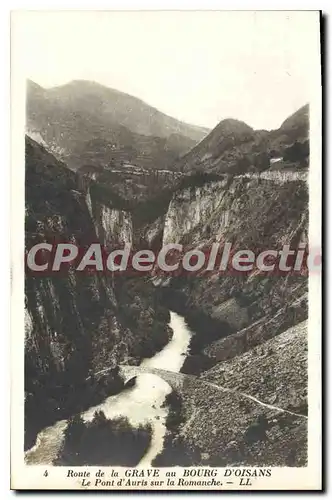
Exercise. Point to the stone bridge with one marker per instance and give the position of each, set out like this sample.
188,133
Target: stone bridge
175,380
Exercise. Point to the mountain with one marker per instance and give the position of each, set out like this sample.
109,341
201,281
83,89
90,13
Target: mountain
298,121
234,147
84,122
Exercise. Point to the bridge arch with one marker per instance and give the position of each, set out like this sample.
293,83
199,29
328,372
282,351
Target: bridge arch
173,379
130,382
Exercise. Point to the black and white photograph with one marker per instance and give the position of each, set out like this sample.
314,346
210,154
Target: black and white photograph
167,323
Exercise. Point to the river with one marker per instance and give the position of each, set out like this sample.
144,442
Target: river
141,404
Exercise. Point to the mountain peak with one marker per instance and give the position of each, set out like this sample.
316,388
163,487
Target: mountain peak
231,126
233,146
33,87
86,85
298,119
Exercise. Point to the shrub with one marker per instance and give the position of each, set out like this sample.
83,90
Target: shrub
103,442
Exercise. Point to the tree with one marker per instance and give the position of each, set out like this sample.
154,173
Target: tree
262,162
242,165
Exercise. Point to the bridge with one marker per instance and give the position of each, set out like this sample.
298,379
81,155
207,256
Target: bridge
175,380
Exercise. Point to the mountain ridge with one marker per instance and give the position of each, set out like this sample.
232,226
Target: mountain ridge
91,88
93,84
86,123
235,147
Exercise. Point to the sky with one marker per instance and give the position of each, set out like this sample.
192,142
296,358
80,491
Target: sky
200,67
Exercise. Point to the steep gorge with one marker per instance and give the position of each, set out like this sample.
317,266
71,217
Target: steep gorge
78,323
251,214
250,328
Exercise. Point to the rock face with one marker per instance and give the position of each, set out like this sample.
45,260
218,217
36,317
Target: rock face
252,326
274,372
251,214
252,411
78,323
189,207
113,226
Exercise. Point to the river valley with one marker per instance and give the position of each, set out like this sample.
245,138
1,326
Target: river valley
141,404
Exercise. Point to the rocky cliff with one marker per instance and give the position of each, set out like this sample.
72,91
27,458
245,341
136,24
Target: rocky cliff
252,214
251,333
79,323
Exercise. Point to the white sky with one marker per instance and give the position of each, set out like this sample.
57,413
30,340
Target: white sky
200,67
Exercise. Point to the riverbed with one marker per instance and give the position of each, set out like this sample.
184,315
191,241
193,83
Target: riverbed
141,404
